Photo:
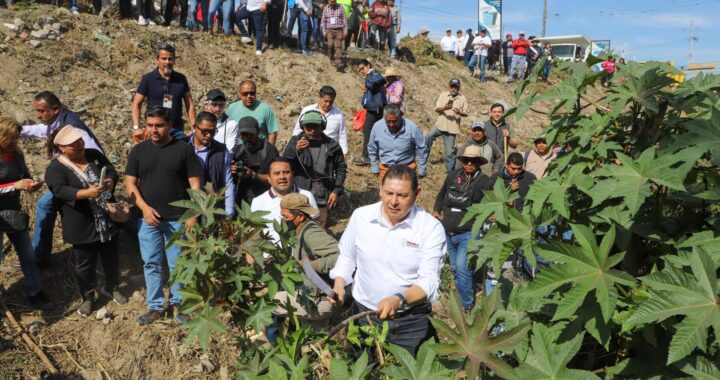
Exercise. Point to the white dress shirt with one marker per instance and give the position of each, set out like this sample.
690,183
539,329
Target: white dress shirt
481,45
269,201
335,128
390,259
448,43
40,131
227,132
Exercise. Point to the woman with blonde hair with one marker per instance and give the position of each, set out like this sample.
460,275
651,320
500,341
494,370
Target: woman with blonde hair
14,178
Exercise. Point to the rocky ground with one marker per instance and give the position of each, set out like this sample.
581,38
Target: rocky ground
94,65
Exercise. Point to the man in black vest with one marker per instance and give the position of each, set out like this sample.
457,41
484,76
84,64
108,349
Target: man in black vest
214,159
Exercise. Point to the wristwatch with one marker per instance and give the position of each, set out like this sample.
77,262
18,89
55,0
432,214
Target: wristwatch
403,301
136,127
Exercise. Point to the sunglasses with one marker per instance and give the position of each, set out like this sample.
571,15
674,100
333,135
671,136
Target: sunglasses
206,132
473,161
248,93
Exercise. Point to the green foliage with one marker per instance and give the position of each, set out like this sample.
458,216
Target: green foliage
360,370
424,367
548,360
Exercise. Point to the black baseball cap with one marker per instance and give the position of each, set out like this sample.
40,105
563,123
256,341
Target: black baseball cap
215,95
454,82
248,124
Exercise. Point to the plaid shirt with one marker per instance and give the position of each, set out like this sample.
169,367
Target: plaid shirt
337,15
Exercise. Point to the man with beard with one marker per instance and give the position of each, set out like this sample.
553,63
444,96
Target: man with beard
164,88
251,162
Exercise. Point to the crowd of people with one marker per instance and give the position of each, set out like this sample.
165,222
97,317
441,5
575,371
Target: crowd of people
391,252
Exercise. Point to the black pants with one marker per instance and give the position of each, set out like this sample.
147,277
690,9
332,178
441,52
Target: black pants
370,119
274,17
125,8
145,8
183,4
408,330
86,256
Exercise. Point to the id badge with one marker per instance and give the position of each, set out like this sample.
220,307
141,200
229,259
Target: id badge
167,101
333,21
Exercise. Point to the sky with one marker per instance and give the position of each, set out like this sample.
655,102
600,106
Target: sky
641,29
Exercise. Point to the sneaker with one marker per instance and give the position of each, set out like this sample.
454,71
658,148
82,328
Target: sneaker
74,11
40,302
115,295
149,317
307,52
179,317
151,22
258,52
245,39
362,161
352,45
141,21
86,308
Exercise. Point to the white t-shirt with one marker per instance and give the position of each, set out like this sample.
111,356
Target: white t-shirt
227,132
448,43
269,201
483,44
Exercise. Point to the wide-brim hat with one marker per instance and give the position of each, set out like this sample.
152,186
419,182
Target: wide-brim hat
392,72
67,135
473,151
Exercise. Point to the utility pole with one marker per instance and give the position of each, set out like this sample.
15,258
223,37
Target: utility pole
544,22
692,42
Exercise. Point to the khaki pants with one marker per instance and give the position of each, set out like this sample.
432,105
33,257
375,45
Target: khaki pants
335,42
316,315
384,169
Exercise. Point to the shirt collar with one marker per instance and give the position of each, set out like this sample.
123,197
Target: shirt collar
380,218
192,142
273,195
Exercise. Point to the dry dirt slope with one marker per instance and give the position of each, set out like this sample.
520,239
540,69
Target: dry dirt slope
93,76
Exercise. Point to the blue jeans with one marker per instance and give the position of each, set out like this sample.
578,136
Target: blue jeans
392,41
23,247
227,7
546,70
46,211
152,247
483,58
258,18
517,66
293,15
472,63
468,57
192,22
507,61
449,140
305,26
318,38
457,253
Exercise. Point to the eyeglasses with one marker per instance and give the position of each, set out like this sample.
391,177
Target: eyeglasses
248,93
206,132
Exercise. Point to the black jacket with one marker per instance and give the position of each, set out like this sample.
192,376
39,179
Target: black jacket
525,178
322,177
77,217
214,171
456,195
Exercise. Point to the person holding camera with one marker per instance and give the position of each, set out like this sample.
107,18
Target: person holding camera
318,163
251,161
84,180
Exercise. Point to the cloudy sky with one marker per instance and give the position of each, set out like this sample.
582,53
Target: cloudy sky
643,29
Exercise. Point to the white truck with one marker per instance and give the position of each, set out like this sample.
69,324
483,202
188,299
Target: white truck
569,48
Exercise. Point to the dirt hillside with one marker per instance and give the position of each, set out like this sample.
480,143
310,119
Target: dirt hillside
93,68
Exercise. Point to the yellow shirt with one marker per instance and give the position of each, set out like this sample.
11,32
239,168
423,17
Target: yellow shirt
449,121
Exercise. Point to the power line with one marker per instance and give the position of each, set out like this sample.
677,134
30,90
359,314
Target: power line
626,11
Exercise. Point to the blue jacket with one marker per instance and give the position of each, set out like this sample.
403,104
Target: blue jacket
374,99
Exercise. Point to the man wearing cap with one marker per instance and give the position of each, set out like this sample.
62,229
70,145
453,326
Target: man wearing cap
159,172
424,32
448,43
281,180
534,54
489,151
52,115
251,162
250,105
226,133
537,160
520,48
315,251
507,53
318,163
396,140
164,87
373,101
392,252
459,45
451,107
214,159
462,188
481,44
497,129
335,120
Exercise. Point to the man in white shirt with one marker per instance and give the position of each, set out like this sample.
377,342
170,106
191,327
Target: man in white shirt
226,129
481,44
281,183
335,121
460,41
396,250
448,43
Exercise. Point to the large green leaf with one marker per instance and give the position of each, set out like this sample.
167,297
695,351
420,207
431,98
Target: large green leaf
202,324
472,340
703,369
260,315
548,360
423,367
586,268
359,370
677,292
